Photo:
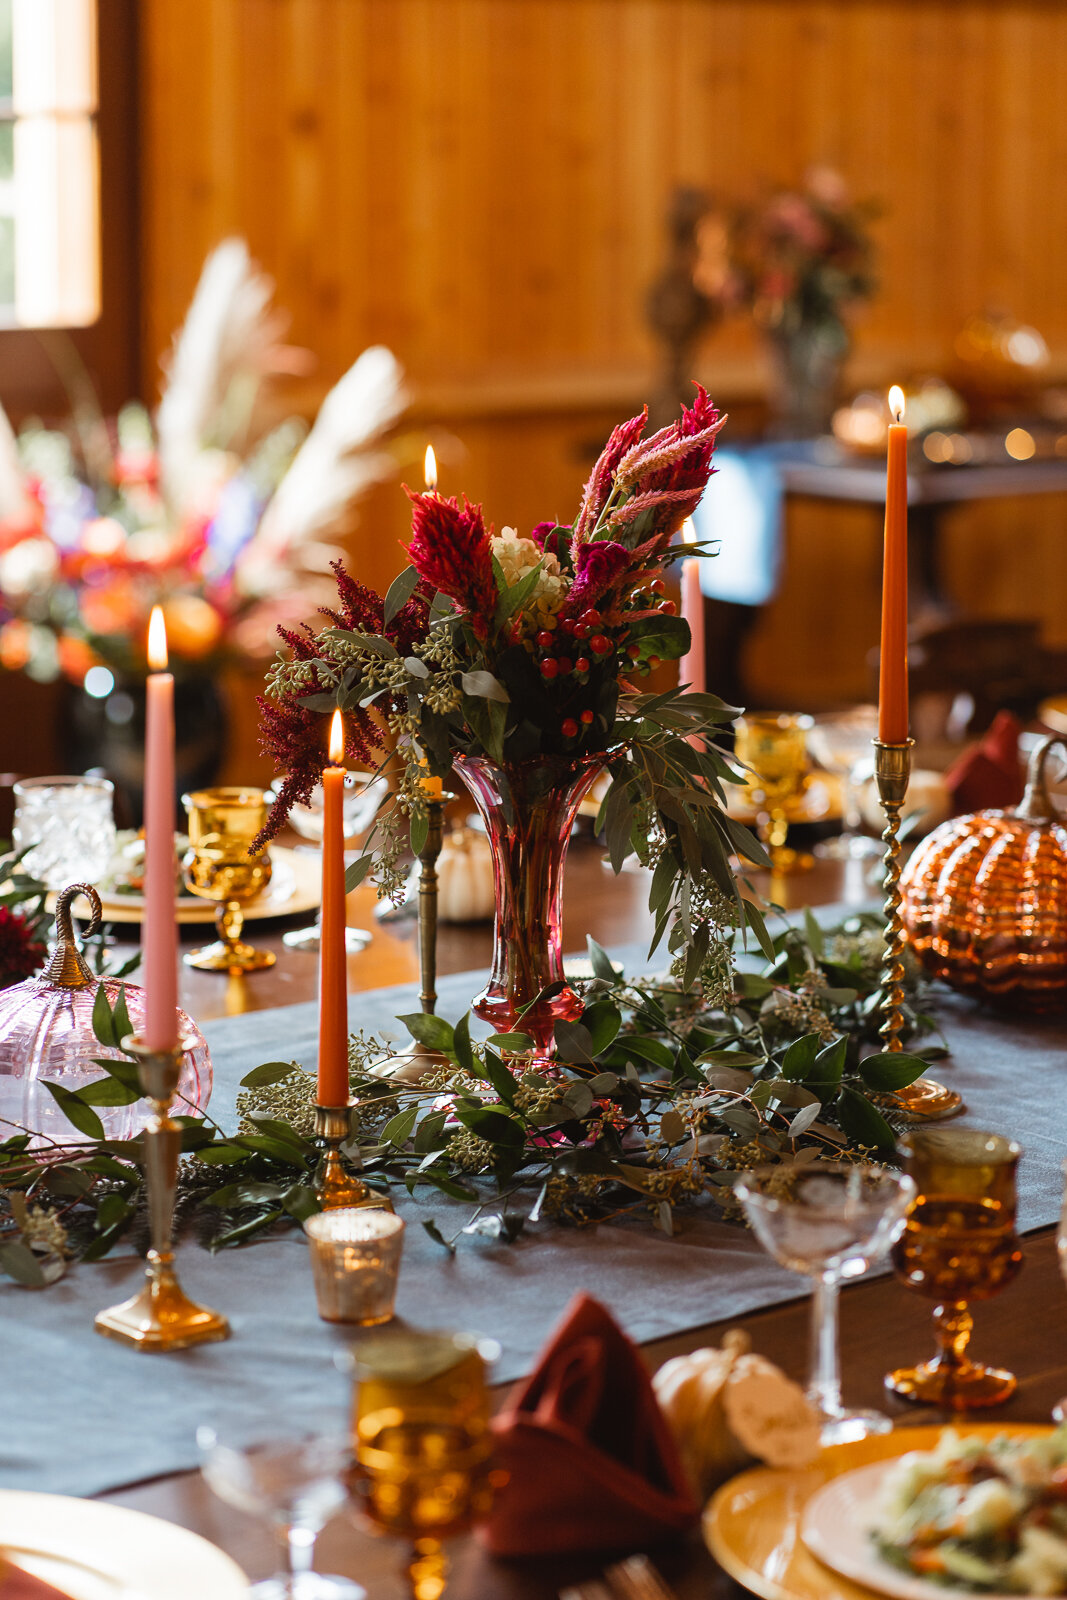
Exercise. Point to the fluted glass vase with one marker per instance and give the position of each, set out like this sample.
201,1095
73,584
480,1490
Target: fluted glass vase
529,809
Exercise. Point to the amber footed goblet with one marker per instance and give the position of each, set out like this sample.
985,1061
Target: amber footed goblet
773,745
221,865
959,1244
423,1444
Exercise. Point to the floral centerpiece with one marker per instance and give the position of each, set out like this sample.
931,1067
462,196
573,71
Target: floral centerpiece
517,661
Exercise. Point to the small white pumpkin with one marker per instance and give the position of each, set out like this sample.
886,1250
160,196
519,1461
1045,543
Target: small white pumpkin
465,877
728,1408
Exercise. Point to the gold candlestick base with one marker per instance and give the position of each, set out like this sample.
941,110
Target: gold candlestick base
161,1316
335,1186
925,1100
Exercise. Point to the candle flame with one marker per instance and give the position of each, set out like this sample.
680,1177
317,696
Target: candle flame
896,402
337,739
429,468
688,531
157,640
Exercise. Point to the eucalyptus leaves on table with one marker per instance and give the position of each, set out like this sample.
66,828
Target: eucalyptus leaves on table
655,1100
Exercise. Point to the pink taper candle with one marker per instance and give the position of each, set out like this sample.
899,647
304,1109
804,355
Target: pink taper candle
893,673
333,955
692,668
160,932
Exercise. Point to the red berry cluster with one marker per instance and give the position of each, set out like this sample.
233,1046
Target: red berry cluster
569,651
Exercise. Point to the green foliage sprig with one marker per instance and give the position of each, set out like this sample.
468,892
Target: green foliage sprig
655,1098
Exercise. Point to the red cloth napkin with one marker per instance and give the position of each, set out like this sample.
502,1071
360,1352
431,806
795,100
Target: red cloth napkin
988,776
591,1462
18,1585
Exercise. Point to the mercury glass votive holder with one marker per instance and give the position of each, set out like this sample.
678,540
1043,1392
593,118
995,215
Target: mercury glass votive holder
355,1262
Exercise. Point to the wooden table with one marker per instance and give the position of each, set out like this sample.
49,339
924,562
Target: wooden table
882,1325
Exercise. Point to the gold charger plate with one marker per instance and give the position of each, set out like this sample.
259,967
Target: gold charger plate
295,888
818,801
752,1524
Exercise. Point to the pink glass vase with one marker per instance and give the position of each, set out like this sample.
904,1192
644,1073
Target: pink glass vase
529,809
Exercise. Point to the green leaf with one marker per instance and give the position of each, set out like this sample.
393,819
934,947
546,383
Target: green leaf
123,1069
244,1194
574,1042
397,1130
862,1121
108,1092
461,1044
602,1020
83,1117
420,831
399,593
672,1127
270,1072
502,1079
513,596
245,1231
112,1209
829,1066
814,934
891,1070
434,1032
121,1016
799,1059
601,962
356,872
300,1201
437,1236
651,1050
512,1044
605,1083
222,1155
20,1263
103,1021
489,1124
485,685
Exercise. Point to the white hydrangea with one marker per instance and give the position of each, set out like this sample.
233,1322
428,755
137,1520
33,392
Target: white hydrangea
518,556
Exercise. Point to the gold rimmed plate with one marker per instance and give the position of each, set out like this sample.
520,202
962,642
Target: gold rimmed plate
754,1525
294,890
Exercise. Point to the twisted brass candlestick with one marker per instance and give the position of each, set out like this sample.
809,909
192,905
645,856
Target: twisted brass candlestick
161,1316
925,1100
335,1186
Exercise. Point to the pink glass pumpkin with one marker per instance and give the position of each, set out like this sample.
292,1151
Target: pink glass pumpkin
46,1034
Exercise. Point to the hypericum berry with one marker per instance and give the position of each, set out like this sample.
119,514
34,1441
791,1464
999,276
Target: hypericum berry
582,664
633,651
569,728
667,607
565,665
586,717
658,586
549,666
591,617
544,639
599,645
653,662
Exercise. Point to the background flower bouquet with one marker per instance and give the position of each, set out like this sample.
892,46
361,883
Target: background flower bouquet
212,510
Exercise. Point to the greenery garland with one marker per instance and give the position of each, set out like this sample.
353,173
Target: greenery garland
655,1100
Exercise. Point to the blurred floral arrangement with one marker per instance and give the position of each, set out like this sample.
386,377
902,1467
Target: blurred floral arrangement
208,511
795,258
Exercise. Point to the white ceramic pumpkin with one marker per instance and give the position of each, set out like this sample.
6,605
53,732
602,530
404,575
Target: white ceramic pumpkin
465,878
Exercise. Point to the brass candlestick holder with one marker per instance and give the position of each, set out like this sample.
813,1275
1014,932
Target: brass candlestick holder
161,1316
925,1100
409,1064
335,1186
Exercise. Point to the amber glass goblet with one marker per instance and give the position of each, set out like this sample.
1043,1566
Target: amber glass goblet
422,1443
959,1244
774,745
221,865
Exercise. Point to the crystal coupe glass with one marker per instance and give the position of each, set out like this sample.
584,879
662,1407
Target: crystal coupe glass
829,1220
66,828
296,1485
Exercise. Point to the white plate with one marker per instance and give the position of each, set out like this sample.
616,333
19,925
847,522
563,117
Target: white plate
836,1527
93,1551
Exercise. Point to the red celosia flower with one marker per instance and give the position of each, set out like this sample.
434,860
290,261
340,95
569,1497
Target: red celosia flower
597,567
450,549
596,492
21,952
666,476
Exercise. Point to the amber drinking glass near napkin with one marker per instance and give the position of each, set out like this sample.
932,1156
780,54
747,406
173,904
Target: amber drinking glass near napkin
590,1461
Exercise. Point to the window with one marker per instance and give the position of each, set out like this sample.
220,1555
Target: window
49,168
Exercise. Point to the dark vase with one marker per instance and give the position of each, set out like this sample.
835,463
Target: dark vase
806,363
108,732
529,809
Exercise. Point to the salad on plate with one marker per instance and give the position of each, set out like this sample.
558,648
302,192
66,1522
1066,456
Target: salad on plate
979,1514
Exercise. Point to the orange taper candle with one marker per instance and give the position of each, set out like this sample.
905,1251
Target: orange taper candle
333,963
893,674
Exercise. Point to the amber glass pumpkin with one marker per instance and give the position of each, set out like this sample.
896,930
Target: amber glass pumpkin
985,899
